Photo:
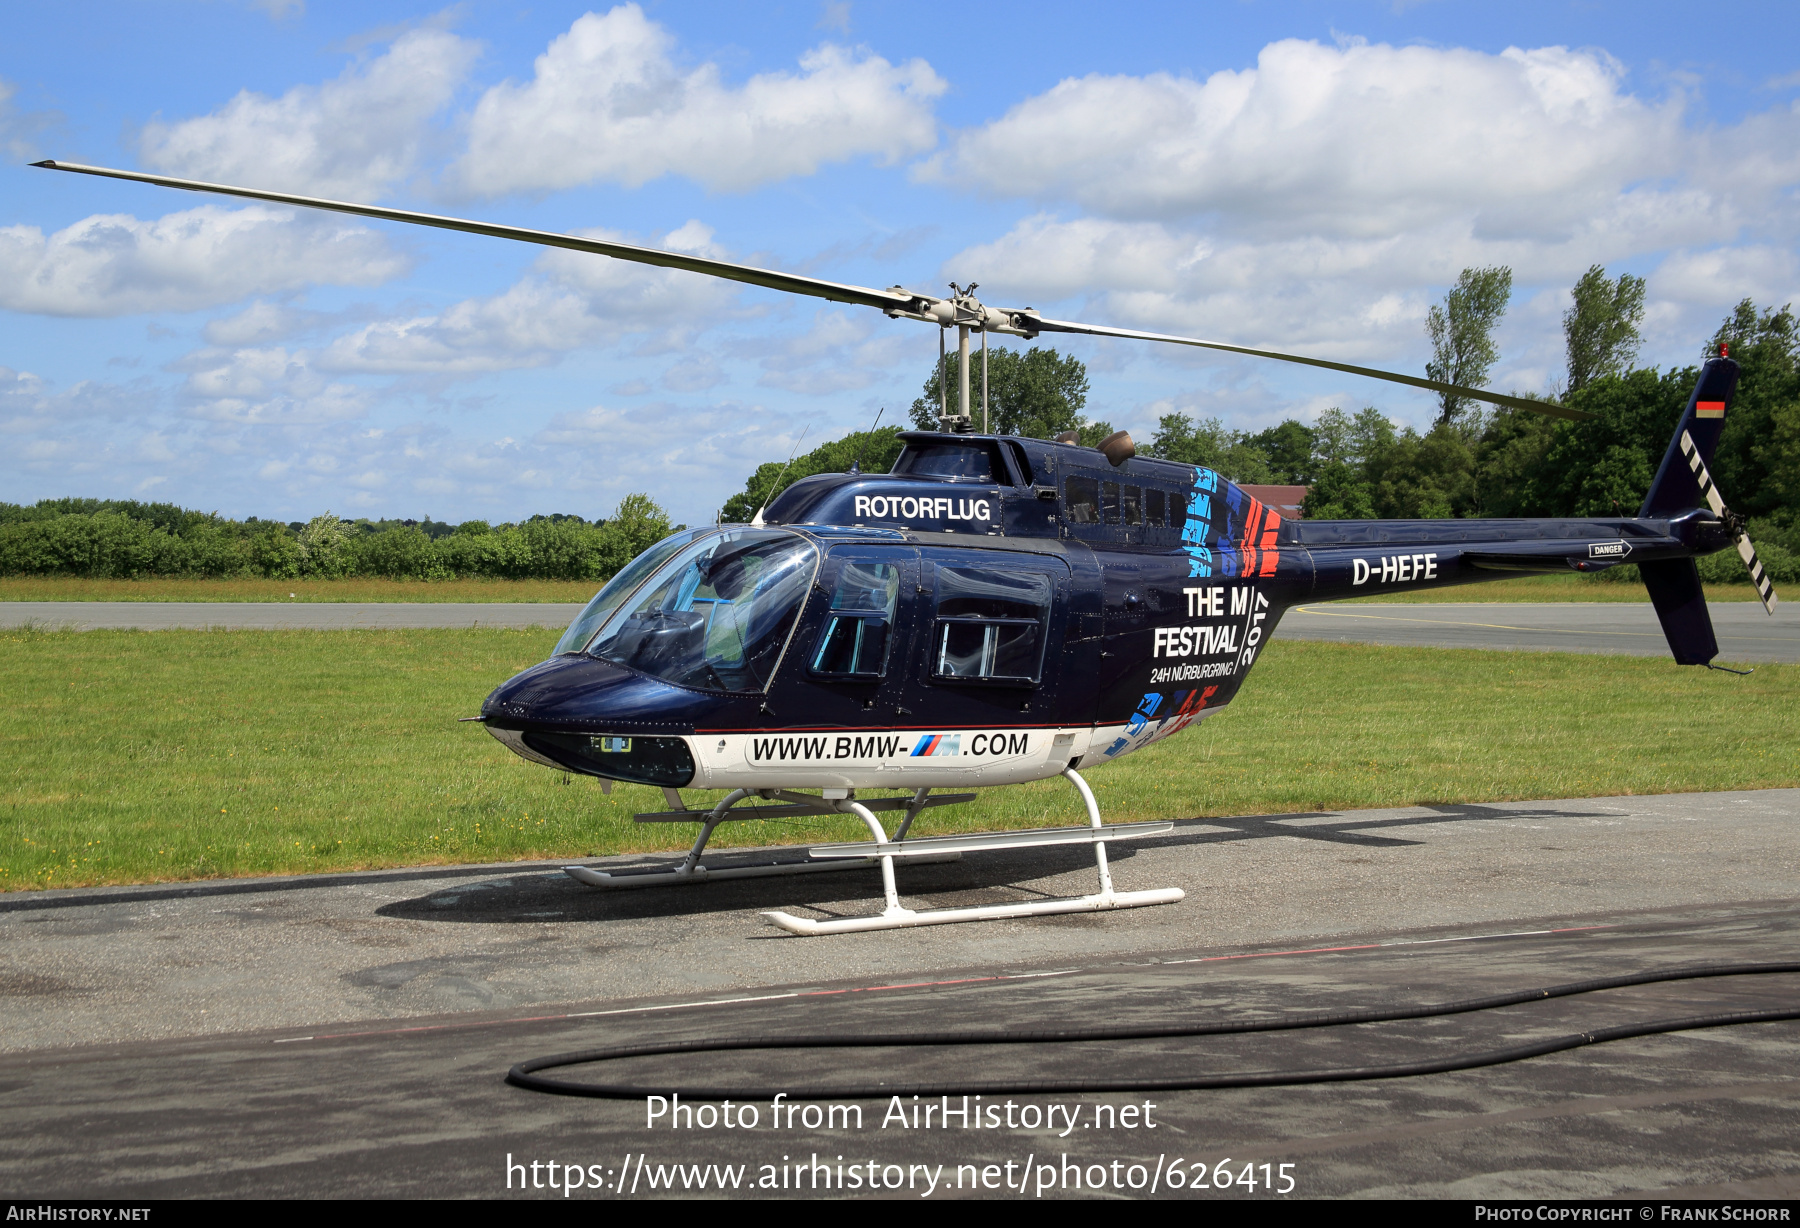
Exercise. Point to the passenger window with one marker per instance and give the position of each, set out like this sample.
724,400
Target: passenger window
1131,502
1109,502
1153,507
990,625
1178,510
1081,501
859,625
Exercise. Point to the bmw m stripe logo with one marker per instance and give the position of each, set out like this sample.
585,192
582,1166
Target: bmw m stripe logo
938,744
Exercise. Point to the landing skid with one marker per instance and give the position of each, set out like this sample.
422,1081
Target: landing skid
883,851
897,916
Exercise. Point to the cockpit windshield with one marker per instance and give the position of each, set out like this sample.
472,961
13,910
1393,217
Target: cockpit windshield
717,615
617,589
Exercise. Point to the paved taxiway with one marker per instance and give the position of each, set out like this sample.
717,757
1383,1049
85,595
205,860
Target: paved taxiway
1745,632
347,1034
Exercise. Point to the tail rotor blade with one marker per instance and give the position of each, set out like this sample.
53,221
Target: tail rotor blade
1758,577
1765,591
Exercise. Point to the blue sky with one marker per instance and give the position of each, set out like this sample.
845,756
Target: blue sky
1308,176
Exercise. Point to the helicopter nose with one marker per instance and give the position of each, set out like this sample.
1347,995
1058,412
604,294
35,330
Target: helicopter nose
580,692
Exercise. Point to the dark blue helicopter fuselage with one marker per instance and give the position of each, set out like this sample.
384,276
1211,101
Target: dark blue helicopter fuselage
1043,608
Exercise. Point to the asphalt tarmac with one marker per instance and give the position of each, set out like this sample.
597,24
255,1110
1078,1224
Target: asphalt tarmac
1744,631
348,1035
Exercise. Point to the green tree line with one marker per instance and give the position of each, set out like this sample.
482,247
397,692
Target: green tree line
124,539
874,450
1472,461
1508,463
1037,392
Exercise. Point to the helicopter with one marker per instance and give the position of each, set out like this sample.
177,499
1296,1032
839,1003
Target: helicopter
995,609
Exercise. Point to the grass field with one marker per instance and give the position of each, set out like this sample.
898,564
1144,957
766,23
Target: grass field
72,588
135,756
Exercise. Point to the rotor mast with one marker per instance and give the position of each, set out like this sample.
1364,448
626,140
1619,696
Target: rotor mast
962,366
966,312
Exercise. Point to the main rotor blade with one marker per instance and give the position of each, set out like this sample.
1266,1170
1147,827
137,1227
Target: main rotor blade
1765,590
894,302
792,283
1393,377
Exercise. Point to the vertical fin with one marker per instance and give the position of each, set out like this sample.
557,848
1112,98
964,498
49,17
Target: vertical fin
1676,488
1680,603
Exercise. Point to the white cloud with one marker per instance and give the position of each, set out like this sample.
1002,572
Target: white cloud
115,264
267,387
1357,140
642,297
261,321
351,138
1770,275
841,352
601,453
695,373
280,10
1314,201
29,403
90,437
569,301
19,128
1331,296
528,325
607,101
1359,300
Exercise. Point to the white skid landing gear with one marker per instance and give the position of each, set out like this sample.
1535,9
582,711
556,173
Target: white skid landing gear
896,916
816,861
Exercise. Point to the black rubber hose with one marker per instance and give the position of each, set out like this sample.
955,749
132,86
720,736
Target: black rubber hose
525,1075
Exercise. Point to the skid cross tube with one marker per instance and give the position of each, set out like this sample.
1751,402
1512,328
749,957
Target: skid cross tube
691,870
895,915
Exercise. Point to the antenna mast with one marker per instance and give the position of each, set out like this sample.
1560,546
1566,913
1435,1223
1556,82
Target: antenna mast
856,465
756,522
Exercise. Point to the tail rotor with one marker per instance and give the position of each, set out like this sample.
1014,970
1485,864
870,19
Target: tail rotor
1758,577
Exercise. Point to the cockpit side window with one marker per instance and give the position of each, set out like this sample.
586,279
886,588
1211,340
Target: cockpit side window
991,625
860,624
718,615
